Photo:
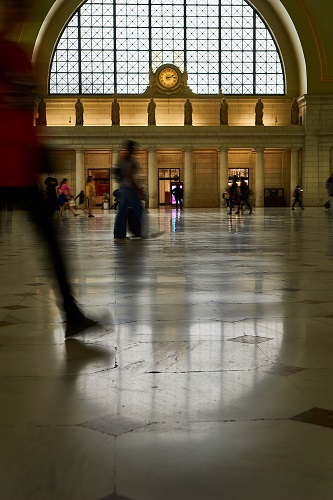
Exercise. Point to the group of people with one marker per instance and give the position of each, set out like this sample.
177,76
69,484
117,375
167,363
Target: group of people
238,196
60,196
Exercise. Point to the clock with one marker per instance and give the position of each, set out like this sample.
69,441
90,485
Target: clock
168,77
168,80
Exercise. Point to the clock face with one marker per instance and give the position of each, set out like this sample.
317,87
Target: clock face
168,78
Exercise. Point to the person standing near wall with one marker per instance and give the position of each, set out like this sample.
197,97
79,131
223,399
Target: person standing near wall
90,192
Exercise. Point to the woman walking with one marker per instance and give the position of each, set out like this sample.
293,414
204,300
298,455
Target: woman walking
65,198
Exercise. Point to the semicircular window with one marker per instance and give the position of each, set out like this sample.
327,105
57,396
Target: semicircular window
109,46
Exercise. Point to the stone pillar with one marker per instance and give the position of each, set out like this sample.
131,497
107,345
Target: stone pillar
115,157
260,173
152,178
223,173
293,169
188,178
79,171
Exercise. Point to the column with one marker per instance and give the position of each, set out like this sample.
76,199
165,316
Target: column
115,157
188,178
293,169
260,181
152,178
223,172
79,171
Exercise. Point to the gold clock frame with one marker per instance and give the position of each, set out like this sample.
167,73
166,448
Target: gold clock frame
160,88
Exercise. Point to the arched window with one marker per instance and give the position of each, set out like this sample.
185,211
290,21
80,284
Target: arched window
109,46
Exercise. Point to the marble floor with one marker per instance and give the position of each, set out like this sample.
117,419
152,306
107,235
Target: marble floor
213,380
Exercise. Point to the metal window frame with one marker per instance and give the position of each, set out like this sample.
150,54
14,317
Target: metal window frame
220,75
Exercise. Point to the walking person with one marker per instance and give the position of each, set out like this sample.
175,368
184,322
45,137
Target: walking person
297,195
19,149
234,195
90,194
329,187
51,193
130,194
66,198
245,195
178,194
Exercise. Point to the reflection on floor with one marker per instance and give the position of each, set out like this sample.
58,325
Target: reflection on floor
215,380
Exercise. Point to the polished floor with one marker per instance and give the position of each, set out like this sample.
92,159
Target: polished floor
213,381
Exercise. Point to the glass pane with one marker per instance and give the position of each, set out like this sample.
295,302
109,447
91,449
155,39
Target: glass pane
220,42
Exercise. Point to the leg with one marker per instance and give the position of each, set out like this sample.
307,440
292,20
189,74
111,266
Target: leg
135,203
120,222
34,202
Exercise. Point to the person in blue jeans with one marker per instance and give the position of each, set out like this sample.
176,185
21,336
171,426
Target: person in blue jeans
130,195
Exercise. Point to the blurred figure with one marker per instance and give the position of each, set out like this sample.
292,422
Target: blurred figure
116,195
51,193
178,194
245,195
80,197
226,197
106,201
329,187
234,195
90,194
297,195
66,198
130,194
22,158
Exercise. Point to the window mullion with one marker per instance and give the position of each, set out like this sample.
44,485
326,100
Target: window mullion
114,47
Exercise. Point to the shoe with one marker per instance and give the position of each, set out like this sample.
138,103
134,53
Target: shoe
302,208
80,326
91,215
293,208
237,213
250,213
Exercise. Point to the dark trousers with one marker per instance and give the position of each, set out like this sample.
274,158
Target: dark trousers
32,200
179,200
297,200
128,198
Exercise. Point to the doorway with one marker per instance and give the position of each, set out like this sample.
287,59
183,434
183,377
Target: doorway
101,178
241,173
167,179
